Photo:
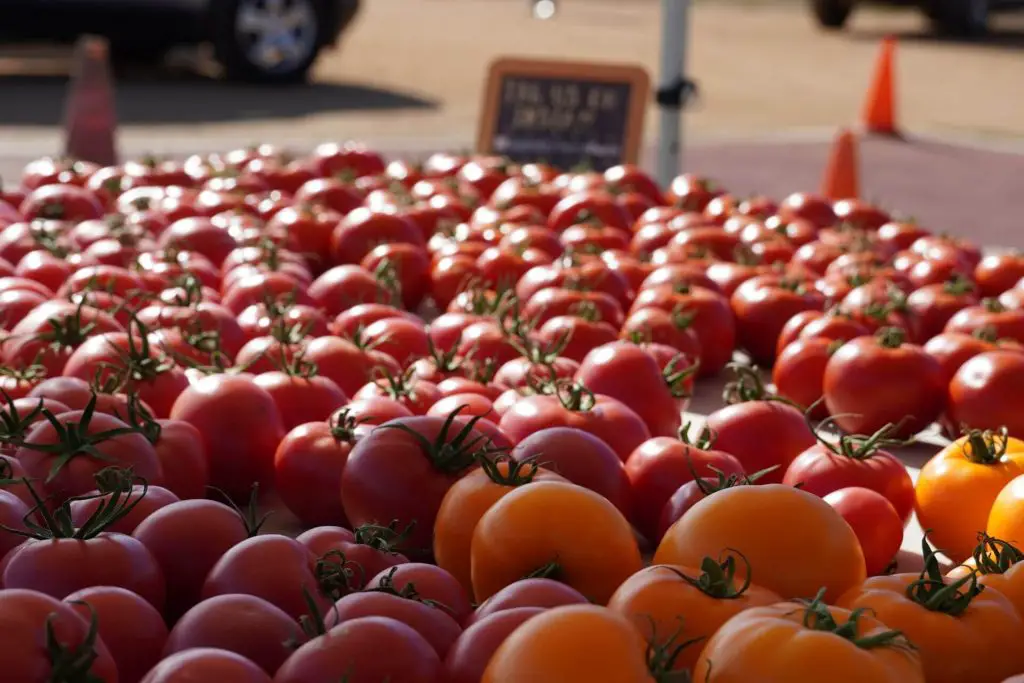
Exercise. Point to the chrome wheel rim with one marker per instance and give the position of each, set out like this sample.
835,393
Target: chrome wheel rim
276,35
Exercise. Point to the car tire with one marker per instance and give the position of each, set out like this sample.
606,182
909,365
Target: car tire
959,18
258,41
831,14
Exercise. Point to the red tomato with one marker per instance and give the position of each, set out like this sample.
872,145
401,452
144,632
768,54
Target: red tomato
877,524
983,393
574,405
759,431
860,461
371,547
581,207
577,336
799,372
472,651
352,652
241,427
630,374
206,665
932,306
580,457
39,631
301,397
430,583
363,229
435,625
696,490
132,629
659,466
871,382
401,471
763,305
145,500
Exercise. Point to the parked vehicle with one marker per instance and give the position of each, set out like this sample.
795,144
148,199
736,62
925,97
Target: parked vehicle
963,18
254,40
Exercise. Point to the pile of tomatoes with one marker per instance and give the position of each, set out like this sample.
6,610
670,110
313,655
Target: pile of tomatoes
462,384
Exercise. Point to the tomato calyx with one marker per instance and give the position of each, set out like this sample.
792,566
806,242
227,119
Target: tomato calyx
29,373
446,362
743,255
388,278
479,299
74,439
817,617
747,385
334,573
552,570
111,479
891,337
450,454
718,577
139,363
994,555
985,446
986,333
343,426
384,539
574,396
73,664
58,523
13,425
677,379
516,473
661,656
992,305
958,285
250,517
67,331
855,446
931,590
311,624
396,386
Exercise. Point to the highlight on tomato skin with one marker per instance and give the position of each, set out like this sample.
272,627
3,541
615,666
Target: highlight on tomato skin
275,416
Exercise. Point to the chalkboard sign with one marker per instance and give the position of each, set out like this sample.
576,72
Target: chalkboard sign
564,113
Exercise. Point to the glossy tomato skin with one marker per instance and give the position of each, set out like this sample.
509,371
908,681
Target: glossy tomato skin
307,471
241,427
821,470
608,419
659,466
29,615
761,434
983,393
873,518
467,660
799,372
206,663
352,651
763,305
874,381
131,628
390,475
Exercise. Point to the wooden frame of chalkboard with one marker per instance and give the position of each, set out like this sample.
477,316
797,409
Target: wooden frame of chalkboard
564,113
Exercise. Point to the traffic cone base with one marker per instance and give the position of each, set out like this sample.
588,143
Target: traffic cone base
842,174
879,114
90,120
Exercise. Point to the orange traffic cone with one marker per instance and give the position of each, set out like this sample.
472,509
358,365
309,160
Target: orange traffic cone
879,115
90,121
841,179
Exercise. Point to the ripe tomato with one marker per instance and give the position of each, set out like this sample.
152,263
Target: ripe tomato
42,634
983,394
765,523
468,657
871,382
573,405
402,471
364,228
696,490
371,547
873,518
997,273
206,663
558,527
973,470
739,650
537,592
763,305
131,628
241,427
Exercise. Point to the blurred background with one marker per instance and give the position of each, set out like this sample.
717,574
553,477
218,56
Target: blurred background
407,76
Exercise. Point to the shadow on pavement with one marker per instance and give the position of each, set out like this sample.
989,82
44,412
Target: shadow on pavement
38,100
997,38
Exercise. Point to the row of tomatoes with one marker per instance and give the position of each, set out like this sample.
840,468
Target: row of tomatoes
250,319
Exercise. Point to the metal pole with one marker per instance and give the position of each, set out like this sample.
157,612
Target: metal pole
674,30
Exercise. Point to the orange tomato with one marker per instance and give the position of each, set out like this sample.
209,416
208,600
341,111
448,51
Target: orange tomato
1000,565
970,471
572,643
466,502
792,641
794,540
554,529
963,632
1006,517
692,604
